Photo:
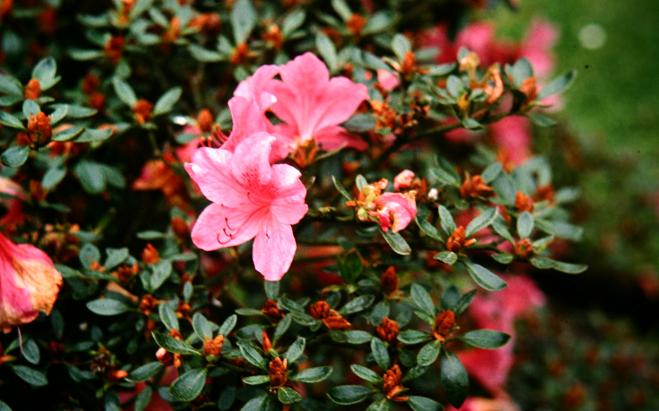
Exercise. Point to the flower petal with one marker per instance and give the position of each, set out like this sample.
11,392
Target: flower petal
251,162
211,170
288,207
274,249
220,227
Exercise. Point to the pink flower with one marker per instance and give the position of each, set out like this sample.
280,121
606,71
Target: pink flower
499,311
395,211
540,39
312,105
251,199
512,135
14,214
387,79
29,283
487,404
403,180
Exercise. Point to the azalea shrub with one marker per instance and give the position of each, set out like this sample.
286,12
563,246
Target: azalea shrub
271,204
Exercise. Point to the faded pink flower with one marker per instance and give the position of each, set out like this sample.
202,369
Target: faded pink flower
29,283
512,135
387,80
404,179
486,404
395,211
312,105
251,199
537,46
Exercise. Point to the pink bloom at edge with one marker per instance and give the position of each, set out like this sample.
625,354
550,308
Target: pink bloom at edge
312,105
29,283
251,199
395,211
14,215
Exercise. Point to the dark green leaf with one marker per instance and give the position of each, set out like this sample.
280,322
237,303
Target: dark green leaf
349,394
380,353
295,350
124,91
9,120
188,386
30,375
491,172
312,375
228,325
115,257
143,399
243,20
91,176
446,220
411,337
168,316
166,102
454,379
341,189
396,242
366,373
558,85
256,379
447,257
422,299
15,156
428,353
287,395
400,45
45,71
485,338
358,304
524,224
107,307
252,356
357,336
173,345
327,50
485,278
31,352
145,371
418,403
545,263
483,220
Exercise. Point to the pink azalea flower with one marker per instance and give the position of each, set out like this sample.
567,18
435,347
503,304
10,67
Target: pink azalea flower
537,46
512,135
312,105
387,79
487,404
403,180
251,199
395,211
29,283
499,311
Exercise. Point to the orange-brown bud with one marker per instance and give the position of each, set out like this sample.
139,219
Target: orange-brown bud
90,83
267,344
546,193
529,88
147,304
320,309
214,346
274,36
523,248
142,111
209,23
32,89
444,325
458,240
150,254
39,128
391,384
180,227
96,100
278,372
356,24
389,280
124,273
117,375
5,7
271,309
475,186
240,54
205,121
114,48
523,202
173,31
387,330
335,321
37,192
408,65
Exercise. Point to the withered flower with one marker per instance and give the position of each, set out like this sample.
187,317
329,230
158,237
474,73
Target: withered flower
32,90
387,330
213,346
392,383
278,372
458,240
475,186
444,325
150,254
523,202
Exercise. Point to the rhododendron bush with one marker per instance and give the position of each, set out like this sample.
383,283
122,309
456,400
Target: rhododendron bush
271,204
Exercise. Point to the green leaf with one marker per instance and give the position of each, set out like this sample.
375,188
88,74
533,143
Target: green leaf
227,398
53,177
396,242
287,395
204,55
485,338
115,257
558,85
446,220
400,45
45,71
342,9
503,258
360,123
259,403
161,272
560,229
145,371
4,406
541,120
107,307
124,91
380,353
296,350
283,326
349,394
447,257
357,337
173,345
201,326
89,255
143,399
243,20
15,156
422,300
312,375
10,85
327,50
168,316
68,133
464,302
491,172
358,304
91,176
483,220
524,224
188,386
31,352
252,356
520,71
366,374
30,375
418,403
454,86
256,379
545,263
428,353
411,337
292,22
485,278
166,102
9,120
379,405
341,189
454,379
30,108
